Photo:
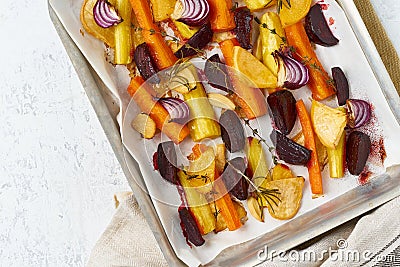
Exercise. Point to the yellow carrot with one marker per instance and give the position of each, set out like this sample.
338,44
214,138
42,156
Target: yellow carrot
123,41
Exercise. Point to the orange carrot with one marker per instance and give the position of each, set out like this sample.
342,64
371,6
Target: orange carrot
314,170
225,205
221,15
319,82
161,52
144,99
250,100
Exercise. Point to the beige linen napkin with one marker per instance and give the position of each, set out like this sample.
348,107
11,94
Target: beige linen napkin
374,239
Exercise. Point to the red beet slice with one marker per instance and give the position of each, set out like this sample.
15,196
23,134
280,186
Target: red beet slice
342,85
317,28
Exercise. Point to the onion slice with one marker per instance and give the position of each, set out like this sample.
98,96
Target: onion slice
191,12
105,15
177,108
358,112
292,74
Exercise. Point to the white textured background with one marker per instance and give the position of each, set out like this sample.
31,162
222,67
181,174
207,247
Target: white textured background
58,173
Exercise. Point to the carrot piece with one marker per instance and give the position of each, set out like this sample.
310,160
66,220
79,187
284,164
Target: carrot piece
250,100
319,82
225,206
221,15
144,99
161,52
314,170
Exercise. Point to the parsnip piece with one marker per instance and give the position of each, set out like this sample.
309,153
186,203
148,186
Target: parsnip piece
144,125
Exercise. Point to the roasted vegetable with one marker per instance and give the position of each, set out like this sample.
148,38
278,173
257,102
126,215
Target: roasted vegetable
104,14
278,172
142,94
243,20
358,112
314,170
201,170
162,54
292,74
328,123
336,158
162,9
198,206
232,131
234,182
254,5
189,226
203,123
224,205
177,108
282,106
221,101
145,63
198,41
191,12
167,161
317,28
123,40
89,24
288,150
256,157
342,85
144,125
249,100
291,194
221,15
272,38
320,82
358,148
217,74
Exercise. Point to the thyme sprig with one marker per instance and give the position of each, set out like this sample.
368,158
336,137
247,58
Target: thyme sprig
282,3
174,74
255,132
272,31
269,195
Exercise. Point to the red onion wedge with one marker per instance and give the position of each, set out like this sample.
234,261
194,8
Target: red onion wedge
104,14
358,112
292,74
191,12
177,108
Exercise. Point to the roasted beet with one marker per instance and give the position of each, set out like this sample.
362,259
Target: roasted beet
342,85
190,228
145,63
217,74
236,184
288,150
243,20
198,41
358,148
317,28
232,131
282,106
167,161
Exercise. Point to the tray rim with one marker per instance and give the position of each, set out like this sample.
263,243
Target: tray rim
95,91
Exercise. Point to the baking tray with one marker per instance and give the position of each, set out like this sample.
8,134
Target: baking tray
354,203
